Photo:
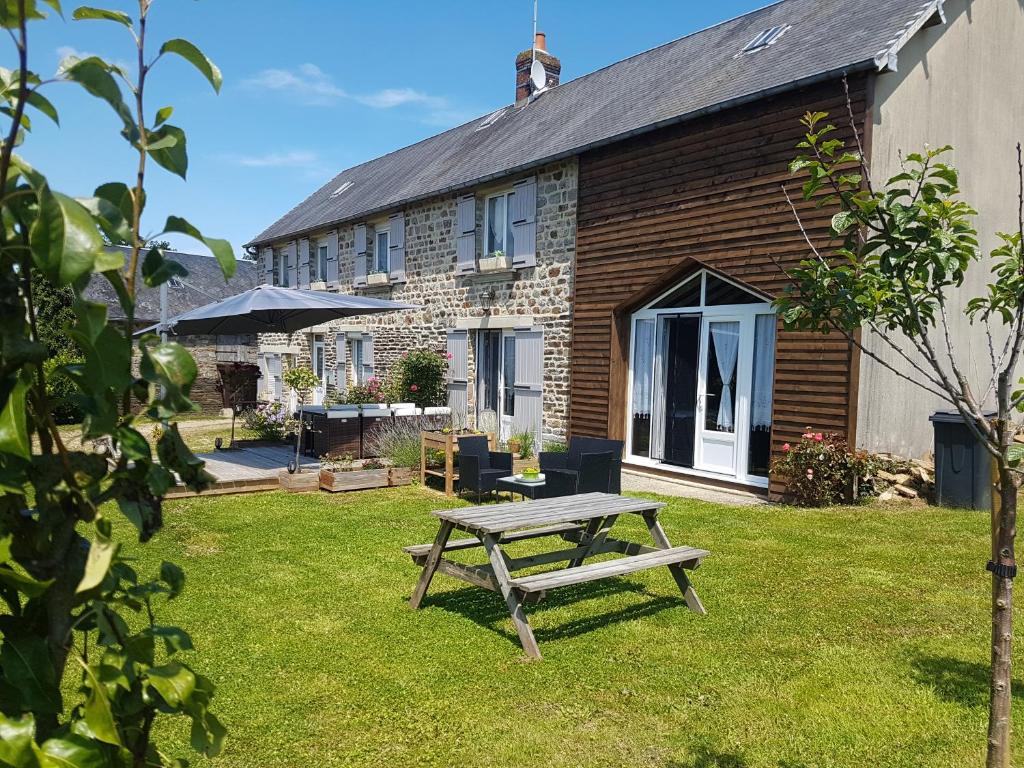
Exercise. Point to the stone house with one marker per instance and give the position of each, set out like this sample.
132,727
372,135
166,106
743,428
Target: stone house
600,257
204,283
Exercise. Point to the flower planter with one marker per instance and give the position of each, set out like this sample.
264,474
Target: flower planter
377,278
354,480
496,264
299,482
318,285
400,476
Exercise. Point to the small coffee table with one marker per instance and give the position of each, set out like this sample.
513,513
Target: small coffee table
513,485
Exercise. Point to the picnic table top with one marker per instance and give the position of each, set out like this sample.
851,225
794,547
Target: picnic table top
498,518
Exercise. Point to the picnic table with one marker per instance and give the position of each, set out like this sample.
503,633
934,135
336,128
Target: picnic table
584,521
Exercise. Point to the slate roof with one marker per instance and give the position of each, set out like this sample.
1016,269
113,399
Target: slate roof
680,80
204,284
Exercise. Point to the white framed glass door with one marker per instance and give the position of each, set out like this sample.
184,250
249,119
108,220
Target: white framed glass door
718,395
701,372
319,360
496,375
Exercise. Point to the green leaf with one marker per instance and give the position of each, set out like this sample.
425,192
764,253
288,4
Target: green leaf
174,682
173,576
157,270
14,437
17,739
171,156
64,238
73,751
101,14
221,248
196,58
93,74
170,365
133,444
842,221
163,115
22,582
101,554
28,669
175,638
43,104
99,714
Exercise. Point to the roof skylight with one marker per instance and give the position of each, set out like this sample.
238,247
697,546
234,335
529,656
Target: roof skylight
766,38
342,189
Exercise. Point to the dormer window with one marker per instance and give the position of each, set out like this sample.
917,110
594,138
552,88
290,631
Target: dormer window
498,233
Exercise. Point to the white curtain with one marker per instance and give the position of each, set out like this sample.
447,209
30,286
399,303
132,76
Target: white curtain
764,372
643,367
727,345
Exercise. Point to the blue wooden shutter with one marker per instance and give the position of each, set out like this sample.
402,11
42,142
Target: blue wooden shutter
458,376
397,256
529,383
304,256
524,224
359,278
465,236
268,266
332,260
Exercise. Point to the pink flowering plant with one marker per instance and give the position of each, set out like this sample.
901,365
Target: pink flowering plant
370,391
418,377
821,470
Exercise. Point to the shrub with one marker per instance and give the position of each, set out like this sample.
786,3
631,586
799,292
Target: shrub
399,440
524,441
556,446
821,470
370,392
268,420
61,390
419,377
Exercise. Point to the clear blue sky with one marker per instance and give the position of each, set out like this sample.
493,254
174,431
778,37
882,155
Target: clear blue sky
314,86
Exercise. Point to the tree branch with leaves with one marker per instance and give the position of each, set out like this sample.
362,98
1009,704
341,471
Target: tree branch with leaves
70,602
905,249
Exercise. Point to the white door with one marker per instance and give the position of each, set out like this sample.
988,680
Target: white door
320,369
718,395
496,376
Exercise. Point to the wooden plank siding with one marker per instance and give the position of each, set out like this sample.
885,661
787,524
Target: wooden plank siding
708,190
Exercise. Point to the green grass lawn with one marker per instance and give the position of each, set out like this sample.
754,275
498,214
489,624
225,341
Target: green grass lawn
846,637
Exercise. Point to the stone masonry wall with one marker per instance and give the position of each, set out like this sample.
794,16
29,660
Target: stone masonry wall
540,295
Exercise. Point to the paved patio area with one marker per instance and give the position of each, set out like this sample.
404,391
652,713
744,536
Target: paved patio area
251,468
640,482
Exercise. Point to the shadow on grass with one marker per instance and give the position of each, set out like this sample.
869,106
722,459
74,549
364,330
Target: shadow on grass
488,608
705,757
956,680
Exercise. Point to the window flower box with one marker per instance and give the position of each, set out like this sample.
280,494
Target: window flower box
318,285
377,278
496,262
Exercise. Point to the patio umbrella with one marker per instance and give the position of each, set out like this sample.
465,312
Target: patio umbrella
269,309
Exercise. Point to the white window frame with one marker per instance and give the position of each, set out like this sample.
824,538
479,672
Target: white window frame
746,313
508,194
383,231
282,267
355,361
320,273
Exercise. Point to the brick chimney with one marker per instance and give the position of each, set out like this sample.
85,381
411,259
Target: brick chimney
525,60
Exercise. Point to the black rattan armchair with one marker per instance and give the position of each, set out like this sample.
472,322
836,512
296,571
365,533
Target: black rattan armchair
479,467
591,477
553,464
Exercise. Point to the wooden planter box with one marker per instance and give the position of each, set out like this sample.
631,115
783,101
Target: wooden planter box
400,476
356,480
300,482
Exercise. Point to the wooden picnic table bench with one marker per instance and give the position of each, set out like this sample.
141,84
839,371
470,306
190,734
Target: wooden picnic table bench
584,521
